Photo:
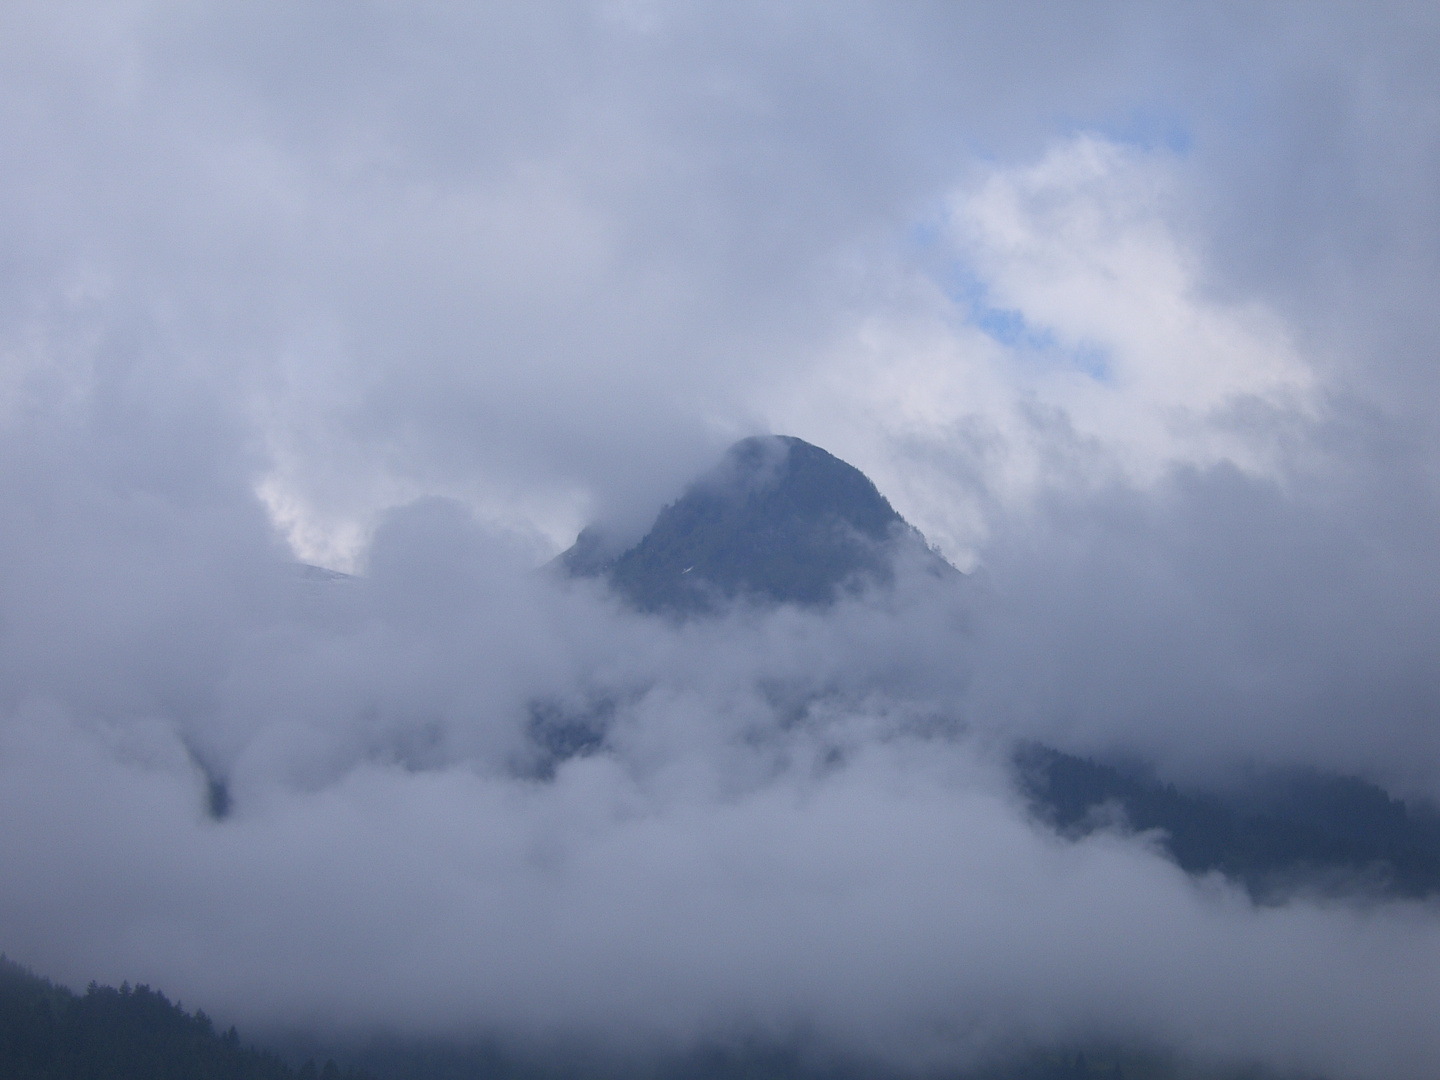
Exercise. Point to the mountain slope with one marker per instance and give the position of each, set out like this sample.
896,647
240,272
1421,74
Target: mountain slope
1316,831
49,1033
779,520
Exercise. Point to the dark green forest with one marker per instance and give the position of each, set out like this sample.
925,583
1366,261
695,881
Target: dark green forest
136,1033
133,1033
1285,832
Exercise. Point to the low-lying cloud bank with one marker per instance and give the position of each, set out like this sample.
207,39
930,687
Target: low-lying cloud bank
897,905
800,821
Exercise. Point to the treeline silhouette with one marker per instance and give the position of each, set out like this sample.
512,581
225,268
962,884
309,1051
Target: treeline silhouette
1285,832
747,1059
133,1033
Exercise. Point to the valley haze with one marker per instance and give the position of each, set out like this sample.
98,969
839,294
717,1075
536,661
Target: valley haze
625,528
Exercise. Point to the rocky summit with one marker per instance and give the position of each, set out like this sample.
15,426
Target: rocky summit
777,521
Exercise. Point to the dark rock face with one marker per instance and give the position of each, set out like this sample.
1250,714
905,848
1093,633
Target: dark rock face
779,520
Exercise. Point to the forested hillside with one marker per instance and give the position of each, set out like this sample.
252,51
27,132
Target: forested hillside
1303,831
136,1033
133,1033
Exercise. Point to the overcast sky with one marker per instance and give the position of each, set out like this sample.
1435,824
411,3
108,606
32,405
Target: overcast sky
1130,309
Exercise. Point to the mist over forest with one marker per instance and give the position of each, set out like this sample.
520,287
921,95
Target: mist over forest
855,539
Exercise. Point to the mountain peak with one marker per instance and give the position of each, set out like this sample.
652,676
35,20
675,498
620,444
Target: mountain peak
778,520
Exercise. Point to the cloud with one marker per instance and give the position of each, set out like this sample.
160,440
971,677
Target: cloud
420,292
897,905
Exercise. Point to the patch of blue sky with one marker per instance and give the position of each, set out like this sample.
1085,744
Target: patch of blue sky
1030,342
1010,327
1150,129
926,233
1034,344
1037,346
1093,361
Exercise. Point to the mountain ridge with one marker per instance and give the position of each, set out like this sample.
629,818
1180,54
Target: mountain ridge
778,520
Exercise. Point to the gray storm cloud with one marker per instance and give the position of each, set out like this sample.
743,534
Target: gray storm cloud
1129,311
